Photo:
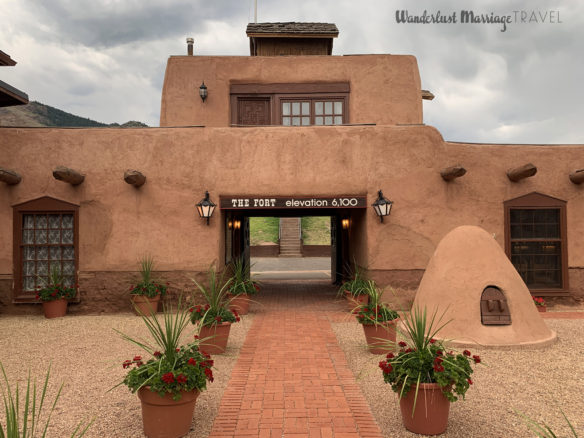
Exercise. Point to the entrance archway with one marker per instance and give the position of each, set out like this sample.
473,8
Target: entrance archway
347,215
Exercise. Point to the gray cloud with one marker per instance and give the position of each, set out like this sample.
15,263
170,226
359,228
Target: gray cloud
105,59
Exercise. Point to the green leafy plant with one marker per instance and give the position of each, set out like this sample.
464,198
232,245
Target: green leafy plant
55,288
240,281
216,310
543,430
357,284
23,420
375,312
171,368
147,287
423,359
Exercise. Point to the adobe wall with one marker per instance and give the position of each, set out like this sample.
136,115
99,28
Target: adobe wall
385,89
119,223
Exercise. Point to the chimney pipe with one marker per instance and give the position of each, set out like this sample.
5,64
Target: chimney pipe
190,43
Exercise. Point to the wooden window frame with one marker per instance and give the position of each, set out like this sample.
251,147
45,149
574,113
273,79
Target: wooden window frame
44,205
333,91
538,201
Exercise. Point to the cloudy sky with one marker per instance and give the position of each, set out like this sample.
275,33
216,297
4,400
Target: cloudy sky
105,59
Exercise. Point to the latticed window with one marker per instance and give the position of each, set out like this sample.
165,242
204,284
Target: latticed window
47,244
315,111
536,246
45,238
536,241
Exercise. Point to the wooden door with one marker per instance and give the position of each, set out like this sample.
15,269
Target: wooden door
253,111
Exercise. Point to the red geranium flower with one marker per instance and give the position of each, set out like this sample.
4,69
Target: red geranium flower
432,341
218,318
438,368
409,350
477,359
439,353
127,363
168,378
137,358
466,353
209,374
157,354
402,344
192,362
237,318
469,381
390,356
181,378
196,336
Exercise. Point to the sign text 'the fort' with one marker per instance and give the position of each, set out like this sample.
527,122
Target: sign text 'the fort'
251,202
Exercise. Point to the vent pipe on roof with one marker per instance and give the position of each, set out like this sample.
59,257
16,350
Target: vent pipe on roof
190,43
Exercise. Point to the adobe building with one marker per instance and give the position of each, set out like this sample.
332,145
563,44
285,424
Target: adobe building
289,131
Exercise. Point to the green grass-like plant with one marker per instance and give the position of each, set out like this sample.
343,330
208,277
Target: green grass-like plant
241,283
216,310
375,312
424,359
543,430
173,367
358,282
24,420
147,287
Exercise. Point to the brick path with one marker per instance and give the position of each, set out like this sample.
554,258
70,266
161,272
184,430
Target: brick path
291,378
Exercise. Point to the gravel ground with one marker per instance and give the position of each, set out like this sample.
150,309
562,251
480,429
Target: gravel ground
86,355
535,382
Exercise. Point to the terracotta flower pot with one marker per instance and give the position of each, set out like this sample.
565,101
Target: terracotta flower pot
542,309
218,335
356,300
240,303
378,336
430,417
146,305
163,417
55,308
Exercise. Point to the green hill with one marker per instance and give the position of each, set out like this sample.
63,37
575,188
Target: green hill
36,114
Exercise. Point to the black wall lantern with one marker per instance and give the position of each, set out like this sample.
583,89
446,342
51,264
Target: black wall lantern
205,207
382,206
203,91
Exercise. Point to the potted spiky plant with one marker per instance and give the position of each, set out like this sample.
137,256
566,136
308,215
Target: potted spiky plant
242,287
147,293
169,382
378,321
354,289
54,294
425,375
214,318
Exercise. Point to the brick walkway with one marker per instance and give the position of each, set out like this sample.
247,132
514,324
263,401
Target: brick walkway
291,378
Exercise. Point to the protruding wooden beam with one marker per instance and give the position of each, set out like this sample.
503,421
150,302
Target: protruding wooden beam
134,178
521,172
427,95
10,177
451,173
71,176
577,176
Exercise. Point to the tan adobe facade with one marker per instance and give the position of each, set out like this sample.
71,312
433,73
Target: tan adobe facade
380,143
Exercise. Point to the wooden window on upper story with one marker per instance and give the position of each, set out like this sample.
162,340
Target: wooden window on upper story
535,241
290,104
45,237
